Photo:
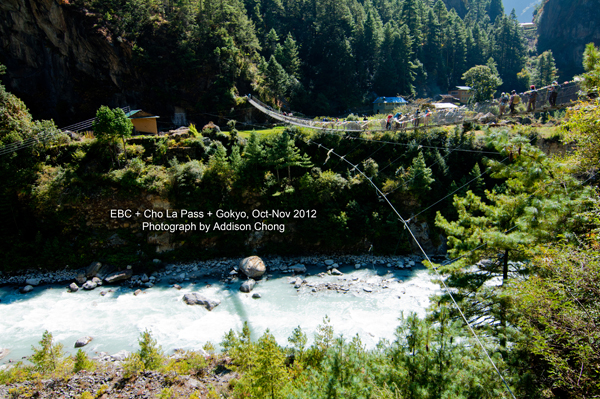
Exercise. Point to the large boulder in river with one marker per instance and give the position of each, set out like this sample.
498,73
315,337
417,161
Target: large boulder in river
193,298
248,285
118,276
73,287
253,267
83,341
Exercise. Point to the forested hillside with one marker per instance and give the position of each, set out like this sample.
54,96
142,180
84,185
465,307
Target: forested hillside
320,56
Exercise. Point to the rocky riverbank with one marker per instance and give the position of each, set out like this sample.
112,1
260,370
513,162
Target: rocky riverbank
109,380
227,270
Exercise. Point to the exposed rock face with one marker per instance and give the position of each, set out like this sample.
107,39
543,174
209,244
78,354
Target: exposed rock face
565,27
194,298
54,53
253,267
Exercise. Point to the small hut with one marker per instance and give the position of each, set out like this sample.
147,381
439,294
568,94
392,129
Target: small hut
143,122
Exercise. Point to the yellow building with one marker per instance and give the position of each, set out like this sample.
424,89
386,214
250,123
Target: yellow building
463,93
143,122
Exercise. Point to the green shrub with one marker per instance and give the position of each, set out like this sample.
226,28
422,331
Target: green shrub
82,362
150,352
132,365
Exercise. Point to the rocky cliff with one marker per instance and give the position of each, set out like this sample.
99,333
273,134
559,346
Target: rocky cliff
59,62
565,27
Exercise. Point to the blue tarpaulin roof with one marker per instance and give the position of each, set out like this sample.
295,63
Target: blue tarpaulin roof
397,100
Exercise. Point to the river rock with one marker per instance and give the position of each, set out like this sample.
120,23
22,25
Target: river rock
80,278
329,262
104,271
97,281
194,298
73,287
3,352
177,286
298,269
336,272
89,285
26,289
92,269
118,276
33,281
137,292
144,278
248,285
119,356
256,295
357,266
253,267
83,341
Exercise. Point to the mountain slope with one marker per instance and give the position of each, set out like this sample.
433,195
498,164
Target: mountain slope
565,27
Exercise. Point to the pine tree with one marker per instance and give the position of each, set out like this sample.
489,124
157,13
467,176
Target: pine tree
531,208
269,373
545,71
419,176
48,356
271,42
495,9
411,18
285,154
290,59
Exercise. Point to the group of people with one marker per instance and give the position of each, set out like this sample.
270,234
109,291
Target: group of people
514,99
401,121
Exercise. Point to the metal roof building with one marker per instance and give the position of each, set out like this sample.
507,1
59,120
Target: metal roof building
387,104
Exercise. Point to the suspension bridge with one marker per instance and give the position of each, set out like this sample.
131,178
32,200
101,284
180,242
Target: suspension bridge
476,113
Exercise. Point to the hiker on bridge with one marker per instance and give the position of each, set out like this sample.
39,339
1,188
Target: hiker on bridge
515,99
533,93
388,122
503,102
554,90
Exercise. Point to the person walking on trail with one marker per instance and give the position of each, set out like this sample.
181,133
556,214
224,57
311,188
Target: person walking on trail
532,97
388,123
503,102
514,101
554,90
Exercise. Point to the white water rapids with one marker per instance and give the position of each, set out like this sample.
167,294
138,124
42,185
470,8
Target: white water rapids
116,319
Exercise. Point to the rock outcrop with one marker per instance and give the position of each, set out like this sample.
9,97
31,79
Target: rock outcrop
59,60
565,27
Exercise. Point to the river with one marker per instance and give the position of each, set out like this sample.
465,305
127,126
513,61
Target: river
116,319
